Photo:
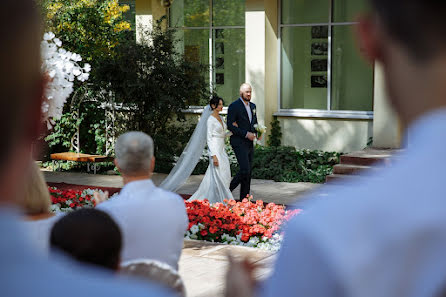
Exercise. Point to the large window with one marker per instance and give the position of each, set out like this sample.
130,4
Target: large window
321,68
213,32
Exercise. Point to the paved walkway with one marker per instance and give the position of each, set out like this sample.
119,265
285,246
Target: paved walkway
203,265
266,190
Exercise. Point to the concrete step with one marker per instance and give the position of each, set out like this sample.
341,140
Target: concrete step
359,161
349,169
339,177
352,164
367,157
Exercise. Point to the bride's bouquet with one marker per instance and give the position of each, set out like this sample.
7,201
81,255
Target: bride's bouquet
261,129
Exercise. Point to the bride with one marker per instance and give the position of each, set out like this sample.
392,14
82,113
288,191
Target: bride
215,184
211,129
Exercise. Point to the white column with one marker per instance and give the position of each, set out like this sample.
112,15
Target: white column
147,13
261,56
386,126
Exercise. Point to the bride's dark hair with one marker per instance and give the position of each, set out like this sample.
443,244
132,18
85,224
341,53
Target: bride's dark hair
215,100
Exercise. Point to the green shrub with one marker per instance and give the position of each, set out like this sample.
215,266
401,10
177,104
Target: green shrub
281,164
275,138
286,164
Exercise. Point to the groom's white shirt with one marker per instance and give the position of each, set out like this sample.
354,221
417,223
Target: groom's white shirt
153,221
248,109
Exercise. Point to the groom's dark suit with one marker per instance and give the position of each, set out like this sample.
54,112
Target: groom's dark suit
243,147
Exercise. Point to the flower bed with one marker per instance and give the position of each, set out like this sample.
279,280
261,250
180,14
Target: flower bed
245,223
240,223
69,200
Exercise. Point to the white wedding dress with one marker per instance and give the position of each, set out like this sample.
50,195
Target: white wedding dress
215,184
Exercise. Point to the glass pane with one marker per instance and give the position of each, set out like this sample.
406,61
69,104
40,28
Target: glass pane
304,67
352,77
305,11
229,62
228,12
347,10
189,13
194,44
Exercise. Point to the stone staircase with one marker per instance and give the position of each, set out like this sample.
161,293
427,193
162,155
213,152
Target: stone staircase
355,163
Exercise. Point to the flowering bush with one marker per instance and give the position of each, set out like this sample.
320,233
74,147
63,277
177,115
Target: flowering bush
239,223
69,200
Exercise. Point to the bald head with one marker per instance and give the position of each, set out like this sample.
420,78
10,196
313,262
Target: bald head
245,91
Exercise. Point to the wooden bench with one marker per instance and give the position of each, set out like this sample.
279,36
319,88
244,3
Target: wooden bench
78,157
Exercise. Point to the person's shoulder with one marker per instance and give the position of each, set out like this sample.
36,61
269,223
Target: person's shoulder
99,283
235,102
112,202
210,118
169,196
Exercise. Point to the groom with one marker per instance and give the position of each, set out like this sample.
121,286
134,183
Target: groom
241,120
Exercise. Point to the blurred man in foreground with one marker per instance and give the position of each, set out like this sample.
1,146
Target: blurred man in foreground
23,271
384,235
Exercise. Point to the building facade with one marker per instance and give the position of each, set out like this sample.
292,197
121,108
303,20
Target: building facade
301,58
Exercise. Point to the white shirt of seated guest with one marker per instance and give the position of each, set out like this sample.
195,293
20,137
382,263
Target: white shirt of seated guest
39,231
153,222
25,272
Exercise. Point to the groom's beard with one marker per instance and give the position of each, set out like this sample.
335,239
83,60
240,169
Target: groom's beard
244,99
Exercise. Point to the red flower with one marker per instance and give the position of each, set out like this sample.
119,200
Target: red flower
231,217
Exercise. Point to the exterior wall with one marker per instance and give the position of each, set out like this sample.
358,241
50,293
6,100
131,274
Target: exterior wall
262,72
147,12
326,134
261,52
386,127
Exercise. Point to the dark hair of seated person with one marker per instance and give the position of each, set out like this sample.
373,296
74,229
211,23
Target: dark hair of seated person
90,236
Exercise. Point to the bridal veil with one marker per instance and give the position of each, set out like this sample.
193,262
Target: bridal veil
190,155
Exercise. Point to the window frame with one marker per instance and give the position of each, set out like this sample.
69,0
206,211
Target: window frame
211,43
317,113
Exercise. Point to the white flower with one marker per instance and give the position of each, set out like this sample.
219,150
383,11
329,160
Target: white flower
77,72
55,208
194,229
62,68
57,41
83,76
87,67
48,36
260,128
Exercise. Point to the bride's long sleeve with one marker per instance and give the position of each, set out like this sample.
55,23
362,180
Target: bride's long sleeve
212,145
